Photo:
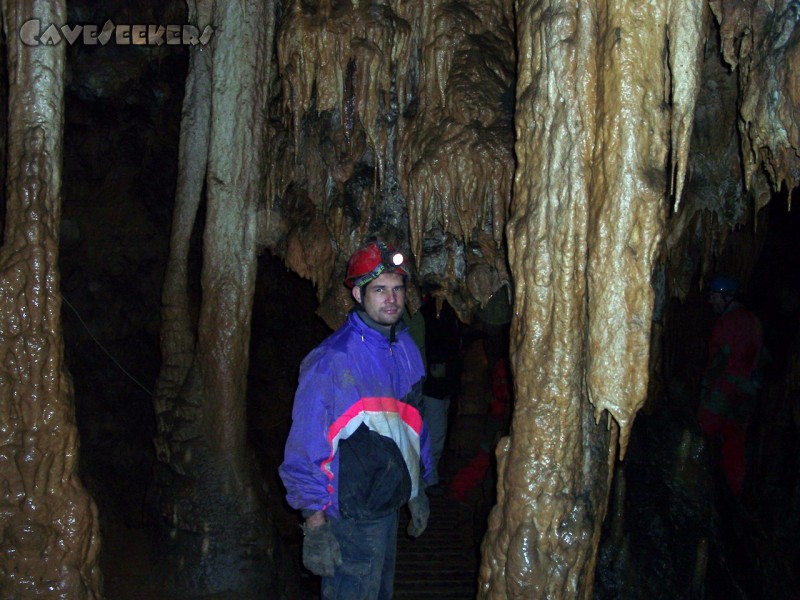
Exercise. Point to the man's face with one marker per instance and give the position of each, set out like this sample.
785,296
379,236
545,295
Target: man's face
384,298
718,302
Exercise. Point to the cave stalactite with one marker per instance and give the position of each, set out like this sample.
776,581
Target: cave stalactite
50,538
761,41
744,142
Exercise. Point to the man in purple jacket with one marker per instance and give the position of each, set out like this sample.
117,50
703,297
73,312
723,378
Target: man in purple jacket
358,449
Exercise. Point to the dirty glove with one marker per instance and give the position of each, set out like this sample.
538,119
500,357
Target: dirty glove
321,552
420,511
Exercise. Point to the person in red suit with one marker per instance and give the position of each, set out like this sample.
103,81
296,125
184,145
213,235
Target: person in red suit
730,381
472,474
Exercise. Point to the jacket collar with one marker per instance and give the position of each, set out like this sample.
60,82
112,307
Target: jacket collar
363,322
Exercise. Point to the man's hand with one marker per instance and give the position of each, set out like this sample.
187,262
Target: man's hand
321,552
420,511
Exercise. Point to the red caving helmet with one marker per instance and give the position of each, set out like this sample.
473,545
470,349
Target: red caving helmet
369,261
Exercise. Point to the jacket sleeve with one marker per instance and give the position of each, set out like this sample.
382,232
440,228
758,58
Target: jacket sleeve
425,445
307,469
416,399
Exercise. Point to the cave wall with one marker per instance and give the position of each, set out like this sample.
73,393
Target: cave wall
399,120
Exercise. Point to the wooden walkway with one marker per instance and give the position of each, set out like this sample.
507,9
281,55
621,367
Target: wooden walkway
443,561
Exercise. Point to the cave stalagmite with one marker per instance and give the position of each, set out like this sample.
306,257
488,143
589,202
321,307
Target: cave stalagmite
594,158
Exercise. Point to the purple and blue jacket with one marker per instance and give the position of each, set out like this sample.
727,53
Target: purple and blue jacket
357,441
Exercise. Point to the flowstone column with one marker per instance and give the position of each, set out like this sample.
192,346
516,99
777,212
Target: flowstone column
601,146
215,534
49,538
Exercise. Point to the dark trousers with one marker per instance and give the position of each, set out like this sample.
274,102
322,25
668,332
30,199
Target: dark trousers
369,550
434,413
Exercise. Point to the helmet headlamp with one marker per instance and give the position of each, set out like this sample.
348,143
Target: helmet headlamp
391,258
723,285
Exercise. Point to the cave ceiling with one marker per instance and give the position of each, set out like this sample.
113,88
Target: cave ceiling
396,120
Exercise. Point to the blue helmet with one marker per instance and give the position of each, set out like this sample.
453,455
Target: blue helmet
722,284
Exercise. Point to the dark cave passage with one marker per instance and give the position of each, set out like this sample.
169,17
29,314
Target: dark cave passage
651,540
117,425
673,528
